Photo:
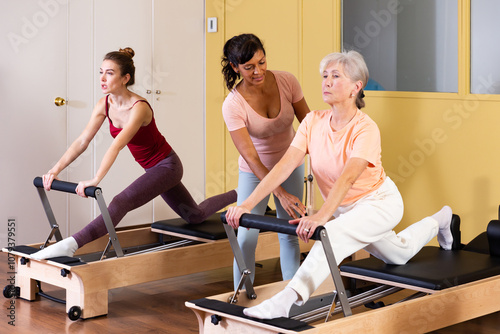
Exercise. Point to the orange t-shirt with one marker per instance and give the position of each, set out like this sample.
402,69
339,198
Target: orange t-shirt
330,150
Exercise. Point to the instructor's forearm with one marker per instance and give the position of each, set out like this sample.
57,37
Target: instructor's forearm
280,172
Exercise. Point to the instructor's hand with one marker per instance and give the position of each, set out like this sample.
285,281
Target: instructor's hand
233,215
292,204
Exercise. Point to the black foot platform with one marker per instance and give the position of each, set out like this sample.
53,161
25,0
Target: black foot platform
236,310
68,260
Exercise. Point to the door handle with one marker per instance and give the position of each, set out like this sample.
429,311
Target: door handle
59,101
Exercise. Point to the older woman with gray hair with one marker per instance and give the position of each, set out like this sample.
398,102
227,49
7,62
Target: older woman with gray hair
362,205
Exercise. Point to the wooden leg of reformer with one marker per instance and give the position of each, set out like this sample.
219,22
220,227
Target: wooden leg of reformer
24,280
199,317
81,291
27,286
92,304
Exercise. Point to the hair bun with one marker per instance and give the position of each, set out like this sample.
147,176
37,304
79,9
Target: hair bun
128,51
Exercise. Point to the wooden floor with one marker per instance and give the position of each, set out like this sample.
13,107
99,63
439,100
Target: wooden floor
156,307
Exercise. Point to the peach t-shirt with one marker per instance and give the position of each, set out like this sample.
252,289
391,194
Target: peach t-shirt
270,136
330,150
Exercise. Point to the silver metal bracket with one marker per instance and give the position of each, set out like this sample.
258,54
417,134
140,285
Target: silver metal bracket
53,230
113,238
244,276
340,292
238,256
109,224
50,216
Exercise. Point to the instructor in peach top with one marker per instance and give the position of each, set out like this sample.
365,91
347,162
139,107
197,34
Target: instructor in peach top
259,112
345,150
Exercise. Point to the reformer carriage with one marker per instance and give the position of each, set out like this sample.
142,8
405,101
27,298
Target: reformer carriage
450,287
124,257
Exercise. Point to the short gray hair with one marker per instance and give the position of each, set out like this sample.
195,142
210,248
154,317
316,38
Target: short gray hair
354,67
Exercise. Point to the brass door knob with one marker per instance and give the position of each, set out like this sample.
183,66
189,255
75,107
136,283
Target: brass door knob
59,101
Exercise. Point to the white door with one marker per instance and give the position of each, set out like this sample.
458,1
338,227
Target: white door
82,79
54,48
168,40
32,127
119,24
179,86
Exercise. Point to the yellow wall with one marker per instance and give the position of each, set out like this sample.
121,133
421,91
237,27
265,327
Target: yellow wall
439,148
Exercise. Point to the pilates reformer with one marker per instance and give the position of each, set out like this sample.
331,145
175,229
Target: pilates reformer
449,287
127,256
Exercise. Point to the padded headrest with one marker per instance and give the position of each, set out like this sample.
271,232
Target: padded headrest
493,233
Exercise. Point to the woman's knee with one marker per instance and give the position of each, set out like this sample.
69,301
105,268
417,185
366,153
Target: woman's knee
247,239
190,213
193,217
288,240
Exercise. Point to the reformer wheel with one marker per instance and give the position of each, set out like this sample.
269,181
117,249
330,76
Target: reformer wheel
10,291
74,313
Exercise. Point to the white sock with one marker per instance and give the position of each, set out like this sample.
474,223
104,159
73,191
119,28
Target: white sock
65,247
443,216
278,306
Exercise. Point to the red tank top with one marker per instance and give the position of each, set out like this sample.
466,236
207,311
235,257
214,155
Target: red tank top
148,146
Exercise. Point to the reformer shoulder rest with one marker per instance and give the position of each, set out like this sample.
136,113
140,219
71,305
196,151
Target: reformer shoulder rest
487,242
209,230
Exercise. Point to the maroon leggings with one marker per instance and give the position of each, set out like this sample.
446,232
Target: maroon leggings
163,179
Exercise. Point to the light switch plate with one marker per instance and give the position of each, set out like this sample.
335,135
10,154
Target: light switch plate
212,24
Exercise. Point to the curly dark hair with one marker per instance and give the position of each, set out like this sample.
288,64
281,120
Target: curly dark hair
238,50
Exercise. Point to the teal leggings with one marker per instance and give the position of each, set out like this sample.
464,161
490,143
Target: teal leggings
247,238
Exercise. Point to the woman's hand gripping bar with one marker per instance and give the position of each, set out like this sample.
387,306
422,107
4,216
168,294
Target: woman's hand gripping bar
68,187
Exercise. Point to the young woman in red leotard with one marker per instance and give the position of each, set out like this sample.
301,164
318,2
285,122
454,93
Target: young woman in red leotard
132,124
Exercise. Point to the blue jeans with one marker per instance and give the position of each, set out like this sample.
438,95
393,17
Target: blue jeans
247,238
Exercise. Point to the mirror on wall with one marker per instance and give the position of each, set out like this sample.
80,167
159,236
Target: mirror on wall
408,45
485,65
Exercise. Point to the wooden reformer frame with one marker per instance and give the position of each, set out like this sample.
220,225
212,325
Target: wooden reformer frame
433,309
87,283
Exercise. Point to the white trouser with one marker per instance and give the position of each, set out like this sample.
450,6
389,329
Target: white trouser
366,224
